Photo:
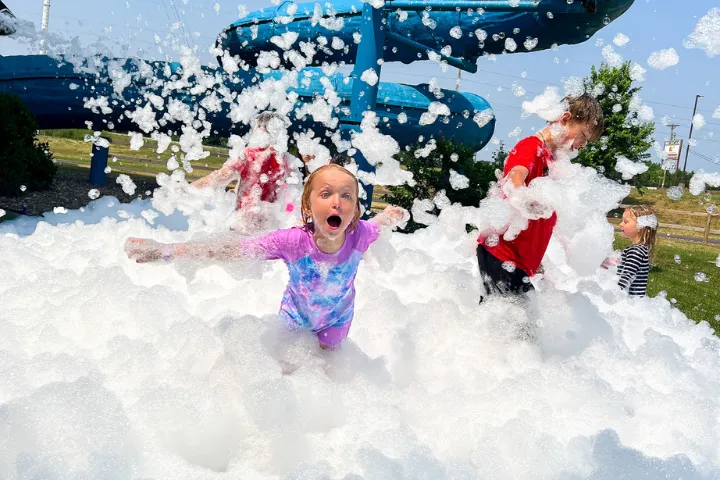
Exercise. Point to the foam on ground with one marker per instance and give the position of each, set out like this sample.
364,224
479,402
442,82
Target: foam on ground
110,369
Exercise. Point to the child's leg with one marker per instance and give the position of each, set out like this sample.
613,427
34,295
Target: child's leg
496,279
331,337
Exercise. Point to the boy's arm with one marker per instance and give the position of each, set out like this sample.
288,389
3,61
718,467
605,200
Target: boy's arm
391,217
218,178
517,175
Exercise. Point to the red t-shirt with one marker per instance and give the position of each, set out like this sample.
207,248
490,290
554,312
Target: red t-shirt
528,248
260,173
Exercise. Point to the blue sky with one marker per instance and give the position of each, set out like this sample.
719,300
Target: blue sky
650,25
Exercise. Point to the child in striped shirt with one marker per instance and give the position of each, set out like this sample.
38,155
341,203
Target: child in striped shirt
639,225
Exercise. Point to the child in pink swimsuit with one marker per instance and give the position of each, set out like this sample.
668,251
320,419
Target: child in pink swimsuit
261,171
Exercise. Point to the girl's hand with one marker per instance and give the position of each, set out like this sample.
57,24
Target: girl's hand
143,250
397,214
307,158
392,216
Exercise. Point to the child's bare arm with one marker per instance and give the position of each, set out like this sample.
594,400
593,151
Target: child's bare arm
218,178
144,250
517,175
391,217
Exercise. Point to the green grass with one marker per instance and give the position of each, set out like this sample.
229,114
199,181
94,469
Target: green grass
659,199
690,203
69,145
137,161
698,300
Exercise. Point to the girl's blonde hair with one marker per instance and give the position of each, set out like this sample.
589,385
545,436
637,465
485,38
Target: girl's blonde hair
305,203
648,235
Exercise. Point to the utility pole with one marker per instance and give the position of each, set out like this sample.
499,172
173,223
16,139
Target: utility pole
457,82
44,29
672,126
687,148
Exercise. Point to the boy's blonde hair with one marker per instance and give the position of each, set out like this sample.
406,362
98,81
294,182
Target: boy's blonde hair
648,236
586,109
305,203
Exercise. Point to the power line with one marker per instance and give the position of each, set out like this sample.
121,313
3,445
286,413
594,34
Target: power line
129,26
181,22
167,14
707,159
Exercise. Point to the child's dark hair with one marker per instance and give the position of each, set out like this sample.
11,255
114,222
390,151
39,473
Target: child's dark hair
648,234
341,160
264,118
586,109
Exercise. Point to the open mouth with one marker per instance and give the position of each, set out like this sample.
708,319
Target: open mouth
334,222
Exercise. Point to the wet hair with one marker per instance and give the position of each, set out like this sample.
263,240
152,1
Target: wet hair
305,203
648,235
264,118
341,160
585,109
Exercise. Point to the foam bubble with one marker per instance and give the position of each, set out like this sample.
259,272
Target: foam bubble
628,168
675,193
549,105
707,34
662,59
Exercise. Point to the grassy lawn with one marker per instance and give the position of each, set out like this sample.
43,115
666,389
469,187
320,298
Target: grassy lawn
67,145
690,203
697,300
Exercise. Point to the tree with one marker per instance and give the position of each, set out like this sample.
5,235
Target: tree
23,160
625,133
432,174
499,156
652,177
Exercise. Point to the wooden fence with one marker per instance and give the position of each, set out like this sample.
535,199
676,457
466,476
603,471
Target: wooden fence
706,230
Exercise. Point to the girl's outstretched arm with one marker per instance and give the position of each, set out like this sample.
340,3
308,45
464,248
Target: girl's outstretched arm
144,250
391,217
218,178
229,247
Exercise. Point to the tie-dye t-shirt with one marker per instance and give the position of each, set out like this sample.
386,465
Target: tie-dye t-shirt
321,289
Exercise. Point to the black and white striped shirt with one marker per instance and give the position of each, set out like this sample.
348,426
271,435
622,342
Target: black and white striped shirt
634,268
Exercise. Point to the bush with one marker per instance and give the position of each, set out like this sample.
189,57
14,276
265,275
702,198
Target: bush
215,141
432,174
23,160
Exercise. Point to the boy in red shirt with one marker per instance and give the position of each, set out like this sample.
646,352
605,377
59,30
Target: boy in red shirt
506,266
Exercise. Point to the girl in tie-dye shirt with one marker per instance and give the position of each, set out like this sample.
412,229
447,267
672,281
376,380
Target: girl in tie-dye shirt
322,256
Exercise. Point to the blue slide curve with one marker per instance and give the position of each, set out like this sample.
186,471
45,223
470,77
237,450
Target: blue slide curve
56,92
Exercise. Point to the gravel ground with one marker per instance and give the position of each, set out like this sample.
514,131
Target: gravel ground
70,190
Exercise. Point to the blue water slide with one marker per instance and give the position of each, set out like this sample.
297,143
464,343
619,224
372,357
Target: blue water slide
457,32
56,93
414,27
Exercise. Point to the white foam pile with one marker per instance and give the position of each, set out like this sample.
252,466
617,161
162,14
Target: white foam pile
707,33
110,369
113,369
